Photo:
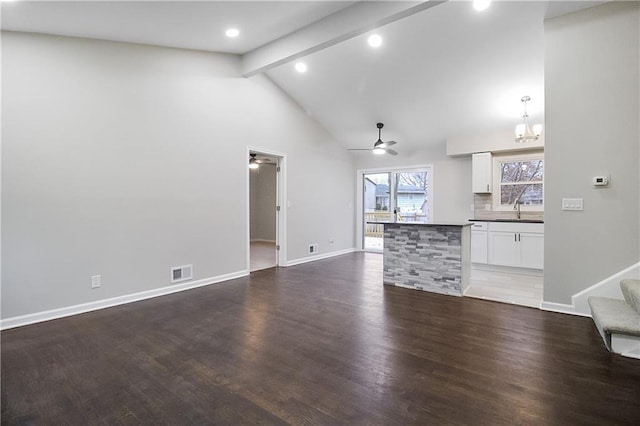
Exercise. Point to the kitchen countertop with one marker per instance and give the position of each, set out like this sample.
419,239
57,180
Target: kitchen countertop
508,220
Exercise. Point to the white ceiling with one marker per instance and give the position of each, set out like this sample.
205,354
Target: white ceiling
443,71
184,24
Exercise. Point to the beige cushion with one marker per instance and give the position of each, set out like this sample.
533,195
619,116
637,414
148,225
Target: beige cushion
615,316
631,293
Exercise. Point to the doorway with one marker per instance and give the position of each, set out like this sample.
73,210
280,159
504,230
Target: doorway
392,195
264,221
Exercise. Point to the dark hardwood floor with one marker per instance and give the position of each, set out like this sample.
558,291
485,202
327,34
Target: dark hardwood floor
319,343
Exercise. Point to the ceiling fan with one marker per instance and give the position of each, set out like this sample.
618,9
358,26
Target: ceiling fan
254,162
379,147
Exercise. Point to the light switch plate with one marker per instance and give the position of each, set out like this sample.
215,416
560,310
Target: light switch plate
572,204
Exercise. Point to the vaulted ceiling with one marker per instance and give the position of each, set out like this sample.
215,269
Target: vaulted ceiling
443,69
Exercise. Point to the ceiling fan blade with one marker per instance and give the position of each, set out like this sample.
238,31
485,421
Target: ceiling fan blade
389,143
358,149
391,151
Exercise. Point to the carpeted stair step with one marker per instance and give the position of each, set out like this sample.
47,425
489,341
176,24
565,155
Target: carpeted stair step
631,292
618,321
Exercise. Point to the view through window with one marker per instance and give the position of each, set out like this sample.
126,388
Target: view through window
521,181
393,197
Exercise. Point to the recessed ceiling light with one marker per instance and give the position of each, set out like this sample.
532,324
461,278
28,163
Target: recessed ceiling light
481,5
374,40
232,32
301,67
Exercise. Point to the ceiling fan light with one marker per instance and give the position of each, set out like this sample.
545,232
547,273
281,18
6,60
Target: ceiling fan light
253,163
378,150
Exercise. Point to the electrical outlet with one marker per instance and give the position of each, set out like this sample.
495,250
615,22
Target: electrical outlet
96,281
313,248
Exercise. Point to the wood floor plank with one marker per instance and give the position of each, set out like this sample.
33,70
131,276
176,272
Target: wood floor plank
319,343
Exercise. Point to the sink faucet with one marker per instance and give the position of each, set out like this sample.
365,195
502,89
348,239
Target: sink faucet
516,207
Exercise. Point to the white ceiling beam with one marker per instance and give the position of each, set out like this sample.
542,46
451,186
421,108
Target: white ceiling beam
343,25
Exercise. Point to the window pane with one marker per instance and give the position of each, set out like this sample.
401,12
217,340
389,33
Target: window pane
530,195
522,171
411,196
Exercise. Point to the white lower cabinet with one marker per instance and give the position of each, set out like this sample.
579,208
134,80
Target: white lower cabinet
479,252
519,245
532,250
503,248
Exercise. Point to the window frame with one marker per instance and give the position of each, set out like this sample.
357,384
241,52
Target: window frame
497,177
361,173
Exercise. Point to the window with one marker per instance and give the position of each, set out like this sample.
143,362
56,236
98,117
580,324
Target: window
392,195
519,178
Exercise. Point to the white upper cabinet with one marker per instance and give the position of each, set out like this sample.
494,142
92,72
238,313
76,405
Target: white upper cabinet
481,164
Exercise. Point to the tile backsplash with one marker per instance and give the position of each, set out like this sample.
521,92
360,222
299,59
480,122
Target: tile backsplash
481,201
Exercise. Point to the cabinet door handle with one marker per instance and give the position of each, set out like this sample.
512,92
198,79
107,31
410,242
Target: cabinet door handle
515,237
487,187
519,237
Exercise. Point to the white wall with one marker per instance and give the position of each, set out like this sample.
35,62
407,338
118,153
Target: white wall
124,160
263,203
591,109
452,196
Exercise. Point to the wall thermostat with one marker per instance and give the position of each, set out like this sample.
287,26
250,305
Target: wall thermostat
600,181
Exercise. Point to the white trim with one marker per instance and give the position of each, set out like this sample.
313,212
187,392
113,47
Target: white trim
561,308
625,345
22,320
511,157
608,287
320,256
281,200
360,196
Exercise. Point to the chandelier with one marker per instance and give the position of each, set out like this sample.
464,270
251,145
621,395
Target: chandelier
525,132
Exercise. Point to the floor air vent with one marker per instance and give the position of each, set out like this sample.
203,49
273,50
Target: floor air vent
181,273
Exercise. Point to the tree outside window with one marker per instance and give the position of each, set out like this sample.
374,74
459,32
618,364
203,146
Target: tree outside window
521,180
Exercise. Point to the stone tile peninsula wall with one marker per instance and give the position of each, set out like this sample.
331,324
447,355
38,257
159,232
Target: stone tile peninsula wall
427,256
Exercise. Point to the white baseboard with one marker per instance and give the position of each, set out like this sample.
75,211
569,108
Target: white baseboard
319,257
562,309
37,317
114,301
609,287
